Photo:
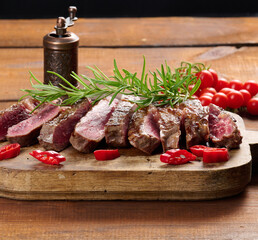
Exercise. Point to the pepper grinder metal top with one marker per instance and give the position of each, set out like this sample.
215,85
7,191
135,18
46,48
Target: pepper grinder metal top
61,50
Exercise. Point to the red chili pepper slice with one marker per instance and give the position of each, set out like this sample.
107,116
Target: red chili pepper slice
104,154
215,155
177,156
197,150
10,151
48,157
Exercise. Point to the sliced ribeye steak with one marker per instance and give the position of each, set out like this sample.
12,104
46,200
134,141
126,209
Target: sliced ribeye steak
116,129
195,121
15,114
30,103
55,134
223,128
26,132
90,130
169,120
143,131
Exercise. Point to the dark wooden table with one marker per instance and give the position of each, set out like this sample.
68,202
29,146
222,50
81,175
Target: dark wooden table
228,44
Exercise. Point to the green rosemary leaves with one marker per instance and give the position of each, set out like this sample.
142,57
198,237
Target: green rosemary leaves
159,88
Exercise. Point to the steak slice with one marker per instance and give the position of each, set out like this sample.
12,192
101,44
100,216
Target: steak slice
169,121
11,116
195,121
143,131
223,128
116,129
15,114
55,134
91,128
26,132
30,103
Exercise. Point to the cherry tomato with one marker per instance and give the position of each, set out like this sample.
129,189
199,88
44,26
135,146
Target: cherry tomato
190,87
207,94
236,84
251,86
226,90
197,93
206,79
205,100
220,99
194,97
215,77
209,90
235,99
222,83
247,96
252,106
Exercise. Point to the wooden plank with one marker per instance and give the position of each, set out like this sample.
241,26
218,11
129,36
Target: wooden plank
229,62
132,176
231,218
164,31
4,105
133,219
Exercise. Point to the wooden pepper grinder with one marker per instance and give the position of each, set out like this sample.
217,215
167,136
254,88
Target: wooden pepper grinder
61,51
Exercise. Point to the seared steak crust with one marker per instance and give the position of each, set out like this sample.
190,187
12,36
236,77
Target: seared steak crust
143,130
11,116
30,103
169,123
26,132
15,114
195,121
91,128
116,129
55,134
223,128
119,124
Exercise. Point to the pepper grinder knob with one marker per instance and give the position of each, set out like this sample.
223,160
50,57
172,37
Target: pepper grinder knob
72,12
60,22
60,26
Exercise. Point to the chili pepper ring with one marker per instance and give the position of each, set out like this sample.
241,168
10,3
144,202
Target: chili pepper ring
48,157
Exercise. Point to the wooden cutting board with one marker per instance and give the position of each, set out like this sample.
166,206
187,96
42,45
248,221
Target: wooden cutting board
133,176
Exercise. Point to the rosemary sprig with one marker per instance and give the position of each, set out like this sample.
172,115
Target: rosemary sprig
159,88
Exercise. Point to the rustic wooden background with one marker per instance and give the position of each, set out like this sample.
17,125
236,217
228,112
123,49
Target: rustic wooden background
230,45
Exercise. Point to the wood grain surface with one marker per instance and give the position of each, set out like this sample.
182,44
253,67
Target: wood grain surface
124,32
229,218
15,64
